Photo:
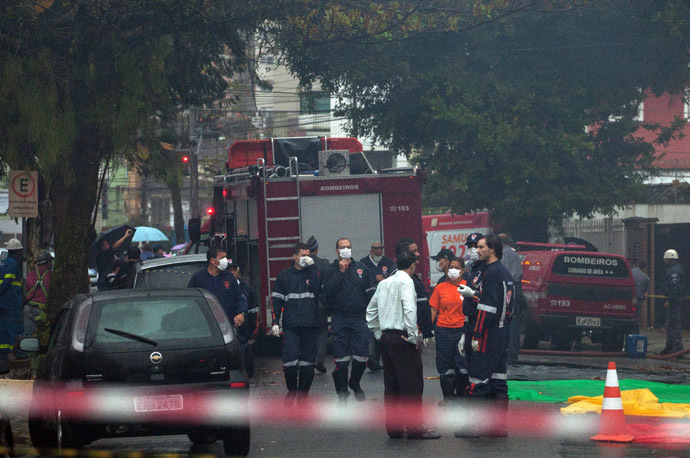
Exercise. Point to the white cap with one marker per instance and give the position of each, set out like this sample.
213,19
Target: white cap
671,254
14,244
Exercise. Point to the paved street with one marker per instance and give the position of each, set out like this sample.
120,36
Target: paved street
299,440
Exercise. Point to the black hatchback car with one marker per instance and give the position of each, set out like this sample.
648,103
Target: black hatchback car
159,352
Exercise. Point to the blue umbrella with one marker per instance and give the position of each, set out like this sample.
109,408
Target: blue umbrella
148,234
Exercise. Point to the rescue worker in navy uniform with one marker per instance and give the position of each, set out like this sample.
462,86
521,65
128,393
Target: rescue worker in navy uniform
11,315
379,267
322,265
218,281
423,309
675,289
488,336
348,292
295,300
472,255
247,332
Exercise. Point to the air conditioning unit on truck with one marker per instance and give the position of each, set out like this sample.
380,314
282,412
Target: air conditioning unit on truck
275,195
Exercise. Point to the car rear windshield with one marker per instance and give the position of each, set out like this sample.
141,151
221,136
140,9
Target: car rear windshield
176,322
171,277
590,265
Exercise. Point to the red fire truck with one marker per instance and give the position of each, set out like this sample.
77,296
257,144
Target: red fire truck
278,192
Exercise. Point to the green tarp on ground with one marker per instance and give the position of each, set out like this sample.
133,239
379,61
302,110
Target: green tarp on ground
561,390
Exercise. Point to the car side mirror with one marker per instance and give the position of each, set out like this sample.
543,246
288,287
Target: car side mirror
30,344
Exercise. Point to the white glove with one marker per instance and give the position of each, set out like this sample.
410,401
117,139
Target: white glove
475,345
465,291
275,330
308,261
461,346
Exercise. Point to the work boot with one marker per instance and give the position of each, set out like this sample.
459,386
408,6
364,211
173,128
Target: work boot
289,400
462,381
340,381
473,429
448,389
291,383
499,413
306,377
358,368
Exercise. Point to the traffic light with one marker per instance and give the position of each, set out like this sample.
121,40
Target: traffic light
185,163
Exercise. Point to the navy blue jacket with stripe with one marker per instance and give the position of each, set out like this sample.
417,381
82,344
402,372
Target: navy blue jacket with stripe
348,293
294,297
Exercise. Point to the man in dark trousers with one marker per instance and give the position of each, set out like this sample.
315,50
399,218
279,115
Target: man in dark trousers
322,265
392,317
423,308
218,281
347,291
675,290
295,300
379,267
247,332
488,336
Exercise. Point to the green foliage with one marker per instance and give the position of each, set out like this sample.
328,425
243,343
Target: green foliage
81,80
499,98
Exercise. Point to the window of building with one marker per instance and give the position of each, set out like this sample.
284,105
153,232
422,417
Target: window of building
314,102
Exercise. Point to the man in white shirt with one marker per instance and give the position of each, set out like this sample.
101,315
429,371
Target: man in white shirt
392,317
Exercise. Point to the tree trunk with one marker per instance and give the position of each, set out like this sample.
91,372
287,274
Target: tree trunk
73,202
178,217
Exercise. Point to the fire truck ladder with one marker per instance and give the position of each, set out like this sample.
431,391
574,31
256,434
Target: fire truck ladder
280,242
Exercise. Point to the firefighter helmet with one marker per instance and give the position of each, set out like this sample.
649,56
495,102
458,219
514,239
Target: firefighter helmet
43,257
671,254
14,244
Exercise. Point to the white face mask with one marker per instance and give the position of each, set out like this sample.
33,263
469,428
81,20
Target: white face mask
438,266
223,264
303,261
473,253
376,259
345,253
453,274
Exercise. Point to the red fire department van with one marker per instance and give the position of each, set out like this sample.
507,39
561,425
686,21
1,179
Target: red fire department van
278,192
571,291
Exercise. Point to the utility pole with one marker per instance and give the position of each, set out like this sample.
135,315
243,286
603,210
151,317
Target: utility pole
194,167
194,176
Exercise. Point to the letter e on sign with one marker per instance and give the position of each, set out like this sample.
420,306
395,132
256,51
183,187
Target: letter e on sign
23,194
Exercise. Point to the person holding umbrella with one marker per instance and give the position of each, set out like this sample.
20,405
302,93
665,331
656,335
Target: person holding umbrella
105,259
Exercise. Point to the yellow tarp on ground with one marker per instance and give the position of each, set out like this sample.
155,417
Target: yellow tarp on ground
640,402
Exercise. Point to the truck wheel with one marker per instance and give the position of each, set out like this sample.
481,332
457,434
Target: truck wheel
562,342
236,441
529,334
612,342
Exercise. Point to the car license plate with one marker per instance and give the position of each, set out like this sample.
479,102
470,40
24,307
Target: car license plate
587,321
158,403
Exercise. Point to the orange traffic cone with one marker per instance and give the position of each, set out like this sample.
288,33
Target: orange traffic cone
612,427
